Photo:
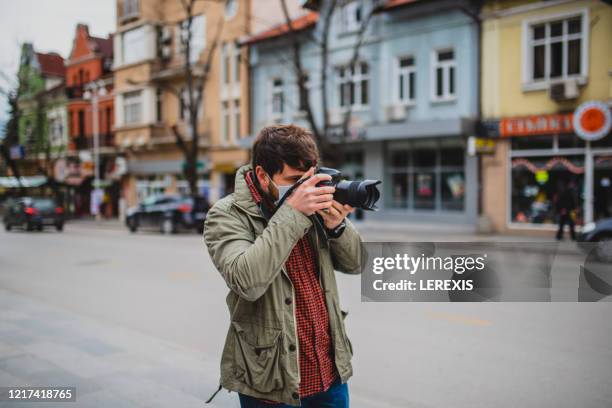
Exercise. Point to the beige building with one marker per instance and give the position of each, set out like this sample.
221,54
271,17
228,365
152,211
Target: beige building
149,79
546,101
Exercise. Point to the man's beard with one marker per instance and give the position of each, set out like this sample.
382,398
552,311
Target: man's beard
267,197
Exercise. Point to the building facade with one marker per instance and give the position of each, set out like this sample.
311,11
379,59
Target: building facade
151,92
412,94
90,113
42,124
547,89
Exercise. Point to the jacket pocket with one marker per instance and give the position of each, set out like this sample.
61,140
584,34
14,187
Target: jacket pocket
345,342
348,341
257,356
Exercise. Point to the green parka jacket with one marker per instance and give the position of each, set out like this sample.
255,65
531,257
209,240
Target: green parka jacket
250,255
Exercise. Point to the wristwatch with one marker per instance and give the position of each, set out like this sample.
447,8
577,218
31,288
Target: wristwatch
336,232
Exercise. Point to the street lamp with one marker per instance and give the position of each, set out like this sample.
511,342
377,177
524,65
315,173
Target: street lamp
93,91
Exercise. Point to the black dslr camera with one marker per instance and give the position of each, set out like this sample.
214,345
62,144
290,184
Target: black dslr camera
358,194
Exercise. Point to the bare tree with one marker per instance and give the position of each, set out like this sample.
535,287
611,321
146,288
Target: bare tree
11,130
331,153
196,72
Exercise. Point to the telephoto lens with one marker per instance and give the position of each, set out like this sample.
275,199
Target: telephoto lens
359,194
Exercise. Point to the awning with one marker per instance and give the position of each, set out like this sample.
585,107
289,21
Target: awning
27,181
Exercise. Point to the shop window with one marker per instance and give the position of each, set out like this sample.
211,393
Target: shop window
537,182
570,142
426,176
605,142
602,189
533,142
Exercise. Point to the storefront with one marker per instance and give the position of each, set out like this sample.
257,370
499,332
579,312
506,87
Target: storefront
426,180
544,155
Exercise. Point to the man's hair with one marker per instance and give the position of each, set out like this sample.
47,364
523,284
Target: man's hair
279,144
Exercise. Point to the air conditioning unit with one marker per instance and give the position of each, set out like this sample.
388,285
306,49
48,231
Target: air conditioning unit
396,112
563,91
335,117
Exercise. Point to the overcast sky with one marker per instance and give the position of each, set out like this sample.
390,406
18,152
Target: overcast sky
50,26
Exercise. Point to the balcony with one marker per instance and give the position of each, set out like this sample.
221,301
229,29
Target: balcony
74,92
77,143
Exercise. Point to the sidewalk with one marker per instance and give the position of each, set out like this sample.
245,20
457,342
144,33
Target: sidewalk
110,366
381,231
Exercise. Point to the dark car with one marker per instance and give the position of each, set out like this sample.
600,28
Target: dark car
33,213
598,236
169,214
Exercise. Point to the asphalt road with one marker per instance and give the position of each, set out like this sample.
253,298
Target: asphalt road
406,354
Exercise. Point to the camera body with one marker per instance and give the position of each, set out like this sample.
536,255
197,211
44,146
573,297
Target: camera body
359,194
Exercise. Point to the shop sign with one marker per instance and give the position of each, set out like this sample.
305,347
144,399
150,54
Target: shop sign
592,120
16,152
537,125
481,145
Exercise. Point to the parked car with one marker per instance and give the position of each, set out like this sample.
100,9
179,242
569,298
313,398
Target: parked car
598,235
33,213
169,214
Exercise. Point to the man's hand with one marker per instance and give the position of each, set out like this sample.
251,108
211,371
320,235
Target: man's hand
335,214
309,199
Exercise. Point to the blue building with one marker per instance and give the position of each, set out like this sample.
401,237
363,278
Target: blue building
413,96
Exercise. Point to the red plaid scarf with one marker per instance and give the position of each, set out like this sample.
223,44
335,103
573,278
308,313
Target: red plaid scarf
317,368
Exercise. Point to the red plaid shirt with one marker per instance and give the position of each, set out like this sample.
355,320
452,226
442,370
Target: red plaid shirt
317,368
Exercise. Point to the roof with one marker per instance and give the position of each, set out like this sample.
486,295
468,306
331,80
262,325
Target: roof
298,24
104,46
51,64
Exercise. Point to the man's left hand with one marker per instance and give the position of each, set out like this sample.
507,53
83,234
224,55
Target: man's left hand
335,214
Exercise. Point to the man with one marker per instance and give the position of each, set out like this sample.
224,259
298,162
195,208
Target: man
287,343
565,206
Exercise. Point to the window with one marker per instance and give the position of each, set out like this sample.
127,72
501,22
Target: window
406,79
231,7
81,125
225,121
158,104
300,103
536,183
236,119
237,60
184,103
351,14
132,107
555,49
130,8
277,98
226,61
426,175
198,36
133,45
353,85
443,75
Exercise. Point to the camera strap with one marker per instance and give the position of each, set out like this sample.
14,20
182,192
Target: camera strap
288,193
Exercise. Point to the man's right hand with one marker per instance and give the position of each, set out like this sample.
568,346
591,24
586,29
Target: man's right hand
309,199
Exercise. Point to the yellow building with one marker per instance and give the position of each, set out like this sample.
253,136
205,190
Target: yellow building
149,78
541,62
